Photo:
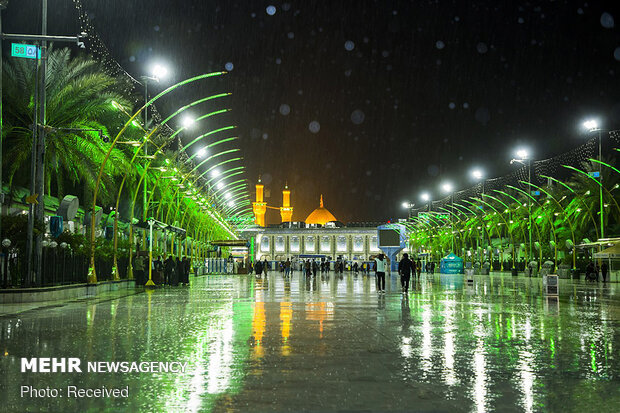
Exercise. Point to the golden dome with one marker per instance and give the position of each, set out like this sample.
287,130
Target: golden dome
320,215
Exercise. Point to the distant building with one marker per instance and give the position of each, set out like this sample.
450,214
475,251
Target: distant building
320,236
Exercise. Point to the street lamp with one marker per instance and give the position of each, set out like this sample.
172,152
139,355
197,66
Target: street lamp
426,197
478,175
187,121
157,73
408,205
523,158
591,125
446,187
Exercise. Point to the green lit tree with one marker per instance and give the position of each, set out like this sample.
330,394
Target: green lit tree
79,96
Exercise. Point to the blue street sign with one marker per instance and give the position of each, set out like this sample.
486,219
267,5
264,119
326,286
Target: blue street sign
536,193
594,174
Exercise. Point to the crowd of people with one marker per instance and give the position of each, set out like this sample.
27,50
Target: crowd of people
170,271
380,264
593,270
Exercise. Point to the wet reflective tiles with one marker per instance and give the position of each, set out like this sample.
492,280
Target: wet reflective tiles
331,344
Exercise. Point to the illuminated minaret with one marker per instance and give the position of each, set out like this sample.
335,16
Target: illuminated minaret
259,207
286,211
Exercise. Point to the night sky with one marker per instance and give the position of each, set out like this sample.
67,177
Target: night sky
371,102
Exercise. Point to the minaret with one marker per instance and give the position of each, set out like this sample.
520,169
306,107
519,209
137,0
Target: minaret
259,207
286,211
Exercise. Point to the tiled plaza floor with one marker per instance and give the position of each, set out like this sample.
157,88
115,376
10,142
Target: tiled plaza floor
330,344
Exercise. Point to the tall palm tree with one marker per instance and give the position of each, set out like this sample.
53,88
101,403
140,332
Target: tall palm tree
79,96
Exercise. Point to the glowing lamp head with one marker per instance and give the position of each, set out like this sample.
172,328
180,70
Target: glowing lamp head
220,185
446,187
159,71
187,121
590,125
405,204
425,196
522,154
477,174
201,153
231,203
227,195
215,173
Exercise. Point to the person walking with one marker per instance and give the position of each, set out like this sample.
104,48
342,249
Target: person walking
405,268
168,269
258,268
265,266
158,269
418,268
287,267
590,275
174,272
186,270
604,269
380,273
315,267
138,269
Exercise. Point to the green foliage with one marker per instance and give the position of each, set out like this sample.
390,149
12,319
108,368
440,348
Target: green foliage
79,96
563,211
15,228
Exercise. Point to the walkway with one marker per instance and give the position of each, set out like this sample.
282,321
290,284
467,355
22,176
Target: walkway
331,344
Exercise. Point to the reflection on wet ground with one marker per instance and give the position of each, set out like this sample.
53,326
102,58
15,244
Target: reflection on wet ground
331,343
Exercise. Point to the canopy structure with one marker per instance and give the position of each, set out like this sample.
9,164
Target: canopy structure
612,252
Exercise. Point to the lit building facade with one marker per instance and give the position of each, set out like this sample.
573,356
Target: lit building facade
351,243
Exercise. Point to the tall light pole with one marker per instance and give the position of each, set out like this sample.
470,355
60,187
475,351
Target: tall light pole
427,198
408,205
158,72
478,175
447,188
524,159
3,5
592,126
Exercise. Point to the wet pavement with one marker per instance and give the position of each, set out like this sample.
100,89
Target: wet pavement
329,344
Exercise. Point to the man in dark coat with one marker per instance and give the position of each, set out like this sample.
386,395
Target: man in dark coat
168,270
405,268
158,271
604,270
186,267
180,271
258,268
175,275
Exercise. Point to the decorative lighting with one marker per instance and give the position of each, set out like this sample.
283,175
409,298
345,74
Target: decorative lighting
446,187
